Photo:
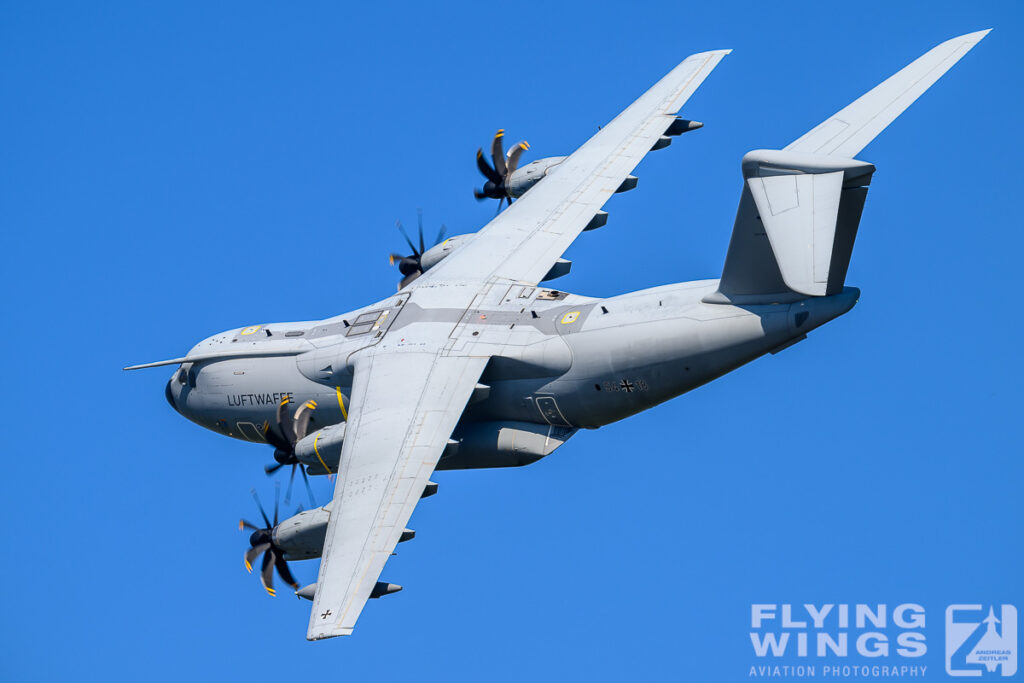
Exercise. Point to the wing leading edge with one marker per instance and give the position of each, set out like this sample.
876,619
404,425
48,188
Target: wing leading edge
404,408
525,240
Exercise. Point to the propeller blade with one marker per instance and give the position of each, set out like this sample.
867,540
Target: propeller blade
440,234
408,241
302,418
512,161
288,491
498,153
309,489
246,524
260,506
274,439
277,499
419,221
407,280
270,469
267,571
485,168
479,194
284,572
285,424
394,258
252,553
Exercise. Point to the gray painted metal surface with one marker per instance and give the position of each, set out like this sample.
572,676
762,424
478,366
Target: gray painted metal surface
473,364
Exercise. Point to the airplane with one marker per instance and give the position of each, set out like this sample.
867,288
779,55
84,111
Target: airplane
475,362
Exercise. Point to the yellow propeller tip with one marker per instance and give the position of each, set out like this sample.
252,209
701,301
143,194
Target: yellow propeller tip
248,567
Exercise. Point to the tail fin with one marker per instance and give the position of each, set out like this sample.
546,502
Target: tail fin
800,208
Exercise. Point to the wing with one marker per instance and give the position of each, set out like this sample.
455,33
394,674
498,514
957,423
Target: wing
404,408
524,241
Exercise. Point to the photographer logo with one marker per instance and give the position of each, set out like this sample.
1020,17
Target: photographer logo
981,640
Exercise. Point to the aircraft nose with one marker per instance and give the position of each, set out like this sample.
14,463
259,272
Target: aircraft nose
170,394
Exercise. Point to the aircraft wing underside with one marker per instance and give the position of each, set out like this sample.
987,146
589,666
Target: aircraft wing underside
409,394
404,408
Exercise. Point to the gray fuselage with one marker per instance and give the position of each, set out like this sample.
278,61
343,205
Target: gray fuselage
566,361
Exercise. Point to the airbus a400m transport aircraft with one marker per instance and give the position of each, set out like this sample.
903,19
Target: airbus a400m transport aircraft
475,363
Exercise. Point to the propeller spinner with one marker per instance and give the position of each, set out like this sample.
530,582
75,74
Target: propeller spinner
497,176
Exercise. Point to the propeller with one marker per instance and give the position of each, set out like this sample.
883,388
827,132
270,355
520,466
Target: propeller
289,432
262,542
411,267
497,176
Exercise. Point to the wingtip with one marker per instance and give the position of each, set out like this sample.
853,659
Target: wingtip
325,634
972,38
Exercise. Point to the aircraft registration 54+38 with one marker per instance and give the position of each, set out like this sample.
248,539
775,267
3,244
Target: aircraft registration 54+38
475,363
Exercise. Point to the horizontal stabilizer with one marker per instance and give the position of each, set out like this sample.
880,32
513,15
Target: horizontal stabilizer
847,132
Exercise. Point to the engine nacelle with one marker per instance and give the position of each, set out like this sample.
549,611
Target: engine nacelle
529,175
431,257
302,537
321,450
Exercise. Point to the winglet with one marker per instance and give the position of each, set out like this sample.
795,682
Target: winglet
847,132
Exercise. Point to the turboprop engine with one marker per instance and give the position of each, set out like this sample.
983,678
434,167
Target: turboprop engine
302,536
522,179
423,259
298,538
505,179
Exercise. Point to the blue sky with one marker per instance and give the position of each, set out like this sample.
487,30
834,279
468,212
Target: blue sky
173,170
